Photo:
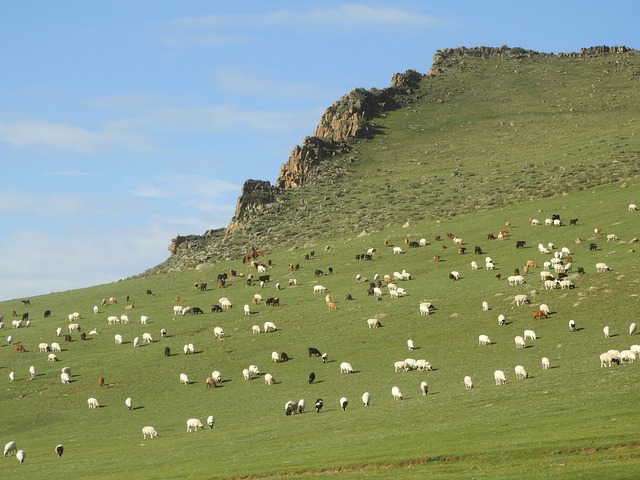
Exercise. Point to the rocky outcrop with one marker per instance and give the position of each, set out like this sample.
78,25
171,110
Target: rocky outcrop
256,194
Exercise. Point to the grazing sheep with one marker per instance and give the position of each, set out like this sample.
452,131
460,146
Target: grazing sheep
59,449
396,393
632,207
484,340
268,379
195,424
606,330
346,367
312,378
12,376
366,399
632,329
147,338
129,403
136,342
118,339
184,379
373,323
269,327
545,363
124,319
275,357
218,333
530,334
319,289
468,383
474,265
521,300
343,403
32,371
52,358
572,325
601,267
318,405
499,377
253,370
20,455
44,347
74,327
605,359
177,310
246,374
216,376
422,365
502,320
93,403
65,377
425,308
325,357
58,331
628,356
149,431
424,387
454,275
485,306
410,344
521,373
144,319
519,341
397,250
10,448
247,310
400,366
210,421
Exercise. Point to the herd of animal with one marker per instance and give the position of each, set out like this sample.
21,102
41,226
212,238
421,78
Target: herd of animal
556,274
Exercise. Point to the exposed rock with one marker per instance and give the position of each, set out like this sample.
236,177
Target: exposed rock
256,194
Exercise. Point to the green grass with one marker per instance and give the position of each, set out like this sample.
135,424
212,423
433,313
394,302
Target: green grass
573,421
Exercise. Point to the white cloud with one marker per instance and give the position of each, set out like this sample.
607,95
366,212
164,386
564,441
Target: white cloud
43,206
239,83
186,186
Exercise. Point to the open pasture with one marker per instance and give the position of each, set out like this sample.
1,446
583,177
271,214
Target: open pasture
575,419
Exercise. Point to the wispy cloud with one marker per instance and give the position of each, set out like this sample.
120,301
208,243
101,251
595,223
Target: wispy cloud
241,83
348,15
186,186
43,206
44,135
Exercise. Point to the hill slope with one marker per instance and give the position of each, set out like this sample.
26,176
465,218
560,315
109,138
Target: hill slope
487,127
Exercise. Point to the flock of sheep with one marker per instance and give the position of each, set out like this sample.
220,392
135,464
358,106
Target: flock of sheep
557,269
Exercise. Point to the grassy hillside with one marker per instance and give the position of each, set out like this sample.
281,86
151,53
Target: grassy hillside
489,141
574,420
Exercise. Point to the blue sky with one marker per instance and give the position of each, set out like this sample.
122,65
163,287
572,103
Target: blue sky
124,123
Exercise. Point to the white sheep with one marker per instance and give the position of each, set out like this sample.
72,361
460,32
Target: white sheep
519,341
485,306
10,448
20,455
216,376
423,365
474,265
94,332
606,331
124,319
632,329
601,267
32,371
397,394
136,342
210,421
572,325
343,403
147,338
612,237
605,359
253,370
268,379
189,348
319,289
65,377
246,374
373,323
545,363
52,358
93,403
118,339
12,376
484,340
150,432
56,347
400,366
632,207
218,333
186,311
269,327
521,373
502,320
346,367
499,377
225,303
58,331
128,403
195,424
366,399
468,383
635,349
410,344
521,300
397,250
144,319
530,334
44,347
411,363
628,355
95,309
544,308
377,292
184,379
275,357
177,309
454,275
247,309
113,320
425,308
424,387
74,327
255,329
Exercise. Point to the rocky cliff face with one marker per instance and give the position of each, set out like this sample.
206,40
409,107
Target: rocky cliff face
256,194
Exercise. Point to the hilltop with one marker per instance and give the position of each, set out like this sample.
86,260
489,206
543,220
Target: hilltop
484,128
